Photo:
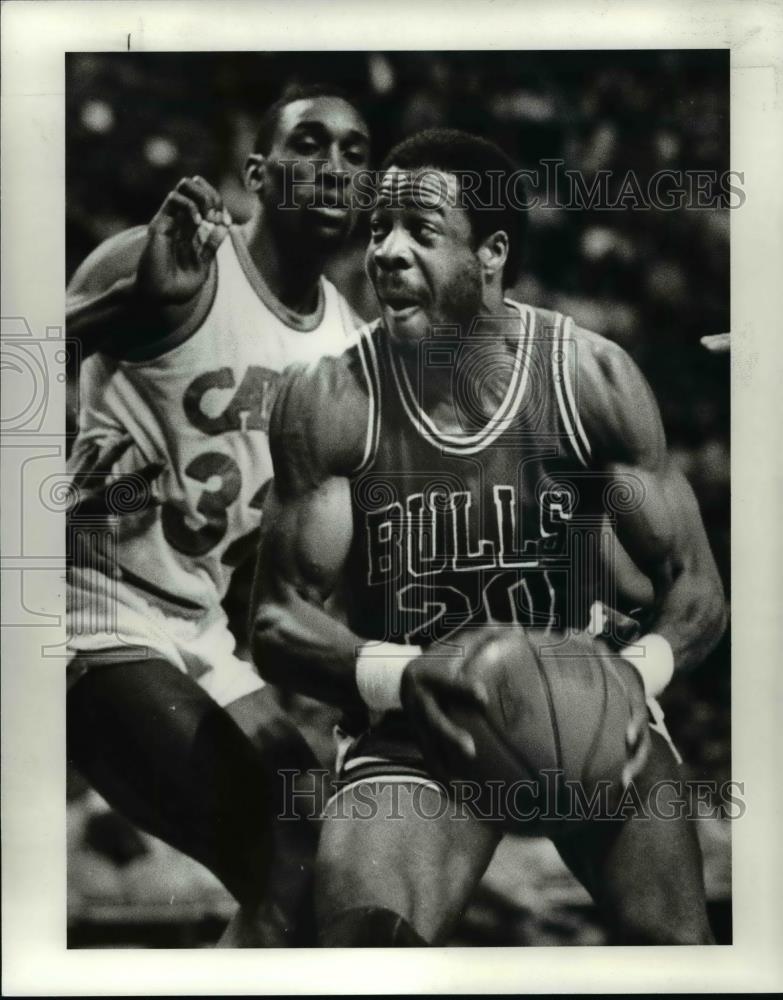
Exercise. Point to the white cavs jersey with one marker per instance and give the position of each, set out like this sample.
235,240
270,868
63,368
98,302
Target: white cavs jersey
201,409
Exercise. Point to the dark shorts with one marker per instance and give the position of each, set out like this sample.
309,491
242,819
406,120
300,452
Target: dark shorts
387,751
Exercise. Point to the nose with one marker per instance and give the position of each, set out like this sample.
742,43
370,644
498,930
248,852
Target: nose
336,164
393,252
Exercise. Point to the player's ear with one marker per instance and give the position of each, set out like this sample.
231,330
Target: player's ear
255,173
493,253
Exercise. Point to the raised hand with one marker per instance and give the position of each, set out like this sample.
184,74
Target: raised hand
182,241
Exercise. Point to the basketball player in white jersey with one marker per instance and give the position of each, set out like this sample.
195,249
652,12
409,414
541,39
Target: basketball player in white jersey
186,325
447,474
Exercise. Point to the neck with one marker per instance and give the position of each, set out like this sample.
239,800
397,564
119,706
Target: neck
436,390
295,286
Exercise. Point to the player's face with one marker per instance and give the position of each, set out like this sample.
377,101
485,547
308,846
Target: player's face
320,144
421,258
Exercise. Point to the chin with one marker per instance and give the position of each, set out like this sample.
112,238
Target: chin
407,335
325,237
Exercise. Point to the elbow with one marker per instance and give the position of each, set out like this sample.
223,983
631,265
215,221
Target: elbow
266,644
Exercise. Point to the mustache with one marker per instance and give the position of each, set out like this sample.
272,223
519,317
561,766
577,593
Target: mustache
398,290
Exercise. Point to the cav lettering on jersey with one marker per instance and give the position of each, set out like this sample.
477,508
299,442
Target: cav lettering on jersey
249,409
442,534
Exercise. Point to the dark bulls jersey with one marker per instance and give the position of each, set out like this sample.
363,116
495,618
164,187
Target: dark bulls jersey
499,522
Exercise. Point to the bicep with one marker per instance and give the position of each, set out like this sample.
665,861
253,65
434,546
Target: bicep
649,501
667,539
687,533
652,506
304,543
307,525
656,517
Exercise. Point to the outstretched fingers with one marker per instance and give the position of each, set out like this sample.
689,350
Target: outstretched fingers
194,211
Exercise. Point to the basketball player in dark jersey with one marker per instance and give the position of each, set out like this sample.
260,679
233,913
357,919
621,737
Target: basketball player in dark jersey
186,326
454,470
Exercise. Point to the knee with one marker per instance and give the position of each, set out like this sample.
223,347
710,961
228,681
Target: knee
350,882
342,881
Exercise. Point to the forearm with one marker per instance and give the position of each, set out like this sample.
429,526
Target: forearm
95,319
690,613
654,512
300,646
666,540
119,316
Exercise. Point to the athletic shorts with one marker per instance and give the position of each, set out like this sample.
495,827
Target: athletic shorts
384,753
387,752
111,621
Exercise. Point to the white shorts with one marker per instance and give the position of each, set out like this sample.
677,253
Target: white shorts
112,622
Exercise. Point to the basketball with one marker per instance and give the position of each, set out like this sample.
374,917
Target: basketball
553,734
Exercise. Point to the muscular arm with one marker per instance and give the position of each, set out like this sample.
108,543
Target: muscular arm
296,643
656,516
140,286
317,436
103,310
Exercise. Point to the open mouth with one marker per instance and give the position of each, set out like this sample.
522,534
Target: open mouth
400,306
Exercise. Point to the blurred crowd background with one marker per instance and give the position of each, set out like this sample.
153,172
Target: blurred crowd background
655,281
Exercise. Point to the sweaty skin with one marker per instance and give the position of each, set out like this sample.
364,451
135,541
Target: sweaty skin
317,439
646,876
663,534
419,252
307,530
430,869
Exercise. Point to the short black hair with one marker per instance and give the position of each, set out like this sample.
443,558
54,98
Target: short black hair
293,92
456,152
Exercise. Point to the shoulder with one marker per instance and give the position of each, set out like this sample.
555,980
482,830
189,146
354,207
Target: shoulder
115,258
588,353
614,409
351,321
319,424
613,399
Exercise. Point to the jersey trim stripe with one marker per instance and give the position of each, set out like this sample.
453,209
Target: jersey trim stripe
370,368
469,444
565,397
569,345
293,320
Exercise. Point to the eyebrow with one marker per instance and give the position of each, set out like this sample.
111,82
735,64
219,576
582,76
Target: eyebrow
352,134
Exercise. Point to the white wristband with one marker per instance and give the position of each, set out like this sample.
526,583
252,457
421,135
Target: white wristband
379,670
653,658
